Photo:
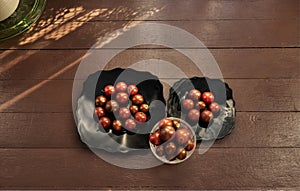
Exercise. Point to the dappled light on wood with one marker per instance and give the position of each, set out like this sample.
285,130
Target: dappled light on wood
138,19
63,22
67,20
43,27
72,26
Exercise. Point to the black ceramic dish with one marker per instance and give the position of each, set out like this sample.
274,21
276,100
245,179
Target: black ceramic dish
149,86
221,125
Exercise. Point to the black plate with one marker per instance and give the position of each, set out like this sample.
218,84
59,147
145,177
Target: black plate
94,135
221,125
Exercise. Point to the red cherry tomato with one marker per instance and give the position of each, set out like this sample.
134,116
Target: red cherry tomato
130,124
122,97
165,122
154,139
132,90
208,97
188,104
200,105
140,117
214,107
104,122
194,95
124,113
117,125
133,109
194,115
190,145
183,136
206,116
100,100
100,112
138,99
144,108
112,106
121,87
166,133
109,90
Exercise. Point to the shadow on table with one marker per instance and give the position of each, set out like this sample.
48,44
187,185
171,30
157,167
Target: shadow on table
59,28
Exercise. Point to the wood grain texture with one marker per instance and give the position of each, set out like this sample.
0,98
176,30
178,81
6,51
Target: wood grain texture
55,95
215,33
260,63
58,130
182,10
256,44
255,168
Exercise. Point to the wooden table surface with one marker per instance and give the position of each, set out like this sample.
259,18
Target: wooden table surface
256,44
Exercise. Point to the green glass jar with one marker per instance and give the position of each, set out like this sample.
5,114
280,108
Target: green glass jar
26,13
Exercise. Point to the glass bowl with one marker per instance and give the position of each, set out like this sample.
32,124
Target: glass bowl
27,13
172,147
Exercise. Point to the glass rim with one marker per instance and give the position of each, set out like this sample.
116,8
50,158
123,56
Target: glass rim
189,153
31,17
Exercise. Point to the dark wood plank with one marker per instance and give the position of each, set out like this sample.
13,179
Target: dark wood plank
213,33
55,95
181,10
40,94
15,63
260,63
39,144
58,130
39,130
217,169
